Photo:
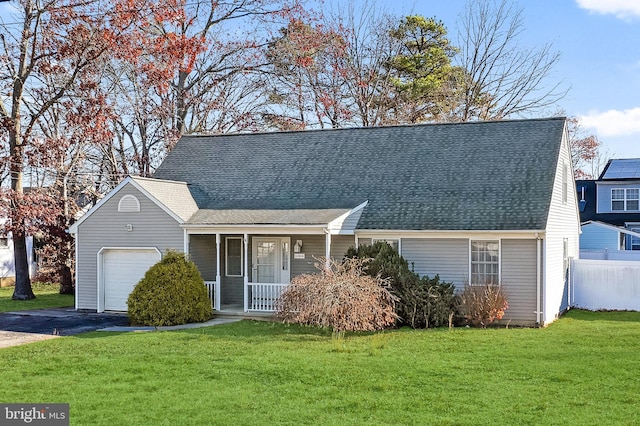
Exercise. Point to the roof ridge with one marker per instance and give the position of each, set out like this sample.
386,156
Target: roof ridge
368,128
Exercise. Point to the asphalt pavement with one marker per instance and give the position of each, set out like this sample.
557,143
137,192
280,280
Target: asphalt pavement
59,321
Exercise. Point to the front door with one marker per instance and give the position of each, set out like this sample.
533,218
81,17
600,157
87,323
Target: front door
270,260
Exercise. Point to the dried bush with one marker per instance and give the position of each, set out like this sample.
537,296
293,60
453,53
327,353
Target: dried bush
482,304
341,297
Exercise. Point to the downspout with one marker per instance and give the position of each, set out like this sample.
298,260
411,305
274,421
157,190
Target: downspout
327,249
538,277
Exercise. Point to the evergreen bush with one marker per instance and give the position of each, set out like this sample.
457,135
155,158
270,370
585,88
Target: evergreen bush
422,302
172,292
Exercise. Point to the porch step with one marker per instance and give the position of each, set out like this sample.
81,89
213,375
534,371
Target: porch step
259,316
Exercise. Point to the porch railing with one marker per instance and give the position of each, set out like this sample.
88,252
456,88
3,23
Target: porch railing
263,296
211,291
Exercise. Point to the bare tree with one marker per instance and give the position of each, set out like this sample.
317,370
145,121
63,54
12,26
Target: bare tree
502,78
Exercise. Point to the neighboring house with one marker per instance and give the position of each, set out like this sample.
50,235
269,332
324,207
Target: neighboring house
485,201
7,264
613,199
603,241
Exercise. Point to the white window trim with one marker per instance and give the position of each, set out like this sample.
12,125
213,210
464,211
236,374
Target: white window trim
499,241
226,256
625,199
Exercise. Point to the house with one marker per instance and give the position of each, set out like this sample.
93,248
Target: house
610,211
254,210
7,263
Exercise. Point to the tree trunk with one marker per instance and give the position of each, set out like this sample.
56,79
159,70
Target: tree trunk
22,290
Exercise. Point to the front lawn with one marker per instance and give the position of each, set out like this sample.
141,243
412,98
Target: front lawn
47,296
583,369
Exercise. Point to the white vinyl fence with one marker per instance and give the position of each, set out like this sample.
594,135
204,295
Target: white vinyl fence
605,284
633,255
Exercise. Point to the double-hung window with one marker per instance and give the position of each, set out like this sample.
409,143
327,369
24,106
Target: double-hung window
625,199
485,262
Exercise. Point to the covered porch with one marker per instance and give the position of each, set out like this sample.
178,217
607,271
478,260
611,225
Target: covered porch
247,266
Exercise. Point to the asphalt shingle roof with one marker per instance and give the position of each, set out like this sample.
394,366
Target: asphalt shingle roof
458,176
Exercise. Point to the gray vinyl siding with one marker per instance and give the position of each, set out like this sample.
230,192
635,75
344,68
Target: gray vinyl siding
202,251
340,244
448,258
313,246
152,227
519,280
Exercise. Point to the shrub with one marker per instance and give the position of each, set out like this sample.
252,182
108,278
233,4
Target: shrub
482,304
422,302
340,297
426,302
172,292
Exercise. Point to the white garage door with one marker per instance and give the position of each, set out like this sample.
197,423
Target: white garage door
123,268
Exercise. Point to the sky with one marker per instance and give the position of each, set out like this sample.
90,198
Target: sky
599,45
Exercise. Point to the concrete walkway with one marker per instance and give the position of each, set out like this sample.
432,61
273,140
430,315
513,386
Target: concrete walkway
214,321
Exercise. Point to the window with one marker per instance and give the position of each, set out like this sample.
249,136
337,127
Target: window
393,243
625,199
233,257
4,242
485,262
634,242
565,183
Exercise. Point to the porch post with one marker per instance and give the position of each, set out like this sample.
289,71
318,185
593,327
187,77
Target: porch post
246,272
327,249
218,293
185,243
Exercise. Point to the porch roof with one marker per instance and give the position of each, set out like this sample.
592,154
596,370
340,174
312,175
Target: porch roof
266,217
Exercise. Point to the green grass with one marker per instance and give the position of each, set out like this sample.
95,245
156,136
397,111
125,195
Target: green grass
581,370
47,296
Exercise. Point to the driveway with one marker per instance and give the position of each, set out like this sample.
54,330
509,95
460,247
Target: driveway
27,326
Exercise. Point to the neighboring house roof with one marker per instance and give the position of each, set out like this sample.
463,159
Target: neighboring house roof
459,176
611,227
621,169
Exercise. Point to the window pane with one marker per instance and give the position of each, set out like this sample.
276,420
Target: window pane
617,205
617,194
485,262
632,205
234,257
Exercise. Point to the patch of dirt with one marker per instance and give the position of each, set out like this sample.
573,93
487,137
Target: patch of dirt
12,338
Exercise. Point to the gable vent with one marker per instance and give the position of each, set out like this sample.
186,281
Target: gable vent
128,204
